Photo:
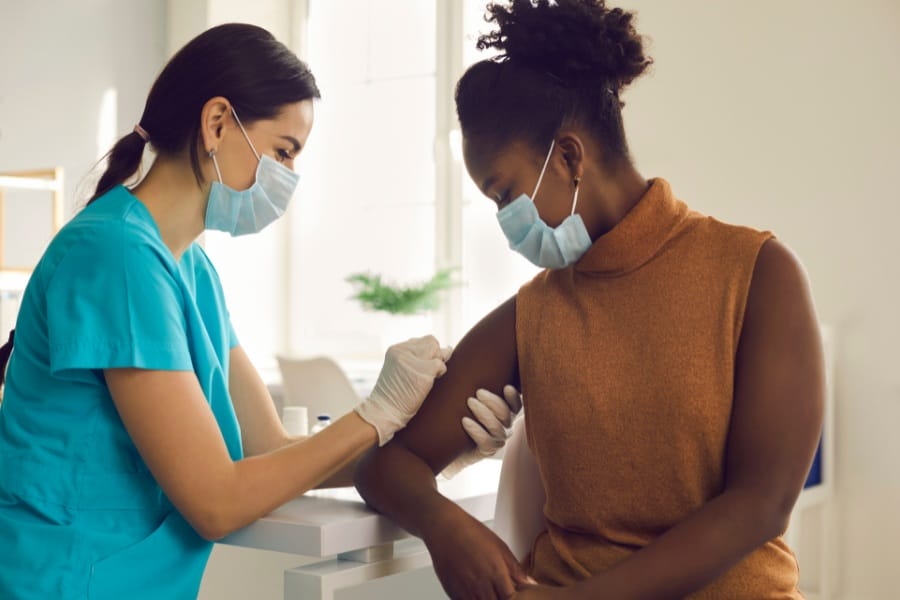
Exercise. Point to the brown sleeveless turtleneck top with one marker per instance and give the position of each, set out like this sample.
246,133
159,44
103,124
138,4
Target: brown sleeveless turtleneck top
627,369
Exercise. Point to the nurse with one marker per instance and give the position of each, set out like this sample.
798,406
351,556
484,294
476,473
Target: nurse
134,430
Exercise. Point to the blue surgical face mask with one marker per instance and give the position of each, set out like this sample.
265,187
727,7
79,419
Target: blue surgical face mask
250,210
530,236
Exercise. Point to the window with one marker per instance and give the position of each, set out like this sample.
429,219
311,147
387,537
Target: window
382,189
367,194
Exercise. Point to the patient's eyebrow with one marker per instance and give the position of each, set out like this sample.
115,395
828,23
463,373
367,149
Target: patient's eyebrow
486,185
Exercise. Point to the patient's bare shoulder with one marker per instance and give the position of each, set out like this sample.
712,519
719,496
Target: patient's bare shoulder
484,358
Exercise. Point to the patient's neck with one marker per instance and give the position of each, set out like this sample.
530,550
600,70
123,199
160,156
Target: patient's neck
606,199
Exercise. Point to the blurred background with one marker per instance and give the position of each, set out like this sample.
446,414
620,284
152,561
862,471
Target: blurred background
778,115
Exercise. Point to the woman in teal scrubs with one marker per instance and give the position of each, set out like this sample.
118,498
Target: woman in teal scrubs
134,431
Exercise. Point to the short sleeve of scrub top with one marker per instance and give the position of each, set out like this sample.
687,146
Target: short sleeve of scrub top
109,305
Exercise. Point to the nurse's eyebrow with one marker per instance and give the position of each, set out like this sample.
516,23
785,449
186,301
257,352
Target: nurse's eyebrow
293,142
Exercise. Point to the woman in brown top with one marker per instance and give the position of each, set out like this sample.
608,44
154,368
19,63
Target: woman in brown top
671,364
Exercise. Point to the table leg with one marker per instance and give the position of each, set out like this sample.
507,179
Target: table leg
321,581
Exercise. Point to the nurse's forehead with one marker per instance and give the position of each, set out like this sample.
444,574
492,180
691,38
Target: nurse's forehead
296,115
291,126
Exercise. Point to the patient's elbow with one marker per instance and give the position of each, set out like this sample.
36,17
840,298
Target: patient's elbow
364,475
771,516
780,516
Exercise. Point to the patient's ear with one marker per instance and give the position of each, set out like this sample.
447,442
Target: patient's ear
572,153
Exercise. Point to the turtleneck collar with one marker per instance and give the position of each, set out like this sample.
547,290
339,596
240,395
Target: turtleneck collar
639,236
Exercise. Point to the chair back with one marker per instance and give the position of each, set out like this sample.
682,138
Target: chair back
519,513
319,384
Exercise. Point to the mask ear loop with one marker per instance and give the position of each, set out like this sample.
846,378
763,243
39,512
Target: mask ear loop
244,131
212,155
575,199
543,169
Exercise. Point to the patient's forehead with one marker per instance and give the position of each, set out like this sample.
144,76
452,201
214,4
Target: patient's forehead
487,164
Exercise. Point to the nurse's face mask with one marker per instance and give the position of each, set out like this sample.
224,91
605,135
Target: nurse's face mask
250,210
530,236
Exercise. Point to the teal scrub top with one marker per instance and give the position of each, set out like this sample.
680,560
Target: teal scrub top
80,514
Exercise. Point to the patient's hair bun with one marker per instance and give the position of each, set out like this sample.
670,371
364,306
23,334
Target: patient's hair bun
577,42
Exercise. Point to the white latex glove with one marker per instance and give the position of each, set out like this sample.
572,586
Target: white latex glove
492,428
409,371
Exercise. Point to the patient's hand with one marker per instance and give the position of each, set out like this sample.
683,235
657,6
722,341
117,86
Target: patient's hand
470,560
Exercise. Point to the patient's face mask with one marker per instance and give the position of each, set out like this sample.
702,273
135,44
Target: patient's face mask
530,236
250,210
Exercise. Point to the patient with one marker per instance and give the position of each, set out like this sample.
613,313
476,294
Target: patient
670,364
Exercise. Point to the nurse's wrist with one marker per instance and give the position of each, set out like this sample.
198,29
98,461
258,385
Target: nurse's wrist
383,421
370,430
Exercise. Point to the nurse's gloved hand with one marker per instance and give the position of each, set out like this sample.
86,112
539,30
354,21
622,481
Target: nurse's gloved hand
409,371
491,429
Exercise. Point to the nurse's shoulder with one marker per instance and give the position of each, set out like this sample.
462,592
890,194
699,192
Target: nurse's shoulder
116,231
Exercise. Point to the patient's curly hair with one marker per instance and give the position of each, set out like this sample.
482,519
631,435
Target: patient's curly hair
560,63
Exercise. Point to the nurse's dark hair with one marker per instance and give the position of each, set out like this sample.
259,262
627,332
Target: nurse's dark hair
243,63
561,63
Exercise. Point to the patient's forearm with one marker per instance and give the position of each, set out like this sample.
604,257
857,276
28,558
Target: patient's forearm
400,485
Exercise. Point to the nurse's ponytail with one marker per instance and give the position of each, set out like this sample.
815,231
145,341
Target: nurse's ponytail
122,163
243,63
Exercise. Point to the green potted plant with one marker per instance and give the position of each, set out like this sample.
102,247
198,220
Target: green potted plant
376,294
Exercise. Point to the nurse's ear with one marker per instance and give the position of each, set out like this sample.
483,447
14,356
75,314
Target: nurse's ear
213,117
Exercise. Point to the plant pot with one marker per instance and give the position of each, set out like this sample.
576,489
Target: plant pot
399,328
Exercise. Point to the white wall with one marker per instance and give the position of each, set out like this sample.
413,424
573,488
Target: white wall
783,116
57,61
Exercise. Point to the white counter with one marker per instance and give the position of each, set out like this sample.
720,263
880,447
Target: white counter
359,543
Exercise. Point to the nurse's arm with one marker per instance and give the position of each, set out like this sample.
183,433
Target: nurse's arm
261,430
175,432
399,478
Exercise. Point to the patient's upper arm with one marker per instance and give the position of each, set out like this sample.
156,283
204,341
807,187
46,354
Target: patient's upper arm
484,358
